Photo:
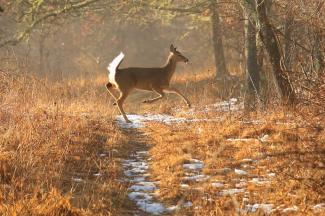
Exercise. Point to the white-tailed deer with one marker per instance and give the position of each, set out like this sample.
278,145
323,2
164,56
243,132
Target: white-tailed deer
150,79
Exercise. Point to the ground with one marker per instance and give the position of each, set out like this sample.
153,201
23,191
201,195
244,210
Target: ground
66,151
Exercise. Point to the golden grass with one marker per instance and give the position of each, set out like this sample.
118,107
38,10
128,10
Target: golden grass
52,134
294,151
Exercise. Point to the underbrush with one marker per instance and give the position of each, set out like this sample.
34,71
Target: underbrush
59,149
281,153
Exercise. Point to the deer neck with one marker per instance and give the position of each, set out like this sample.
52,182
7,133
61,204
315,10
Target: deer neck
170,66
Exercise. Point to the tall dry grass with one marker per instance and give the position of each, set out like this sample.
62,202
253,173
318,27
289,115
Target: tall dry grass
294,151
52,136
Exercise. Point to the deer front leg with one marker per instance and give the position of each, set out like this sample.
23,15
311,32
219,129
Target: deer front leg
175,91
158,91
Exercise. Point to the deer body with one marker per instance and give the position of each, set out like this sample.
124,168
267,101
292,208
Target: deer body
150,79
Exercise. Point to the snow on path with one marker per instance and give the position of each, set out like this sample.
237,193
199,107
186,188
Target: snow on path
193,171
319,208
142,191
138,121
230,105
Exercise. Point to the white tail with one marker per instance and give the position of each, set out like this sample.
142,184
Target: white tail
113,66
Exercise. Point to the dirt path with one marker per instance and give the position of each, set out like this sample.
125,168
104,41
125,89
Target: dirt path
142,189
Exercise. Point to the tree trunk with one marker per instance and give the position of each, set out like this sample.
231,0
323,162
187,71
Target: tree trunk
252,67
284,87
219,55
270,41
259,50
318,57
288,45
41,55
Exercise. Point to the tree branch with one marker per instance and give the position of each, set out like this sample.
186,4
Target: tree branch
192,10
20,36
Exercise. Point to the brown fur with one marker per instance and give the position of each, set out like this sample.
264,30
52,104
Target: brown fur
150,79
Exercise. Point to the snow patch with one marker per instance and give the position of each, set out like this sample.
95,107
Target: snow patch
265,138
151,208
267,208
319,207
143,186
230,105
184,185
139,121
231,191
188,204
240,139
241,184
138,179
240,172
139,196
248,160
172,208
290,209
259,181
199,177
197,164
78,180
142,192
217,184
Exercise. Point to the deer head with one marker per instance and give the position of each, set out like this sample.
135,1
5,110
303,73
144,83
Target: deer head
177,56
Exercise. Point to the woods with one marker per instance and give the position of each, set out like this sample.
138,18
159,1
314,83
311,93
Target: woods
242,134
273,26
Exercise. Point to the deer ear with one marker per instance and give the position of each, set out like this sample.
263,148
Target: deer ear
172,48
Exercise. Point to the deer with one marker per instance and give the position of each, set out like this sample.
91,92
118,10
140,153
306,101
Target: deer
155,79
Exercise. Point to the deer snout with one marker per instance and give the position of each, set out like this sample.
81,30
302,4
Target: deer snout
186,60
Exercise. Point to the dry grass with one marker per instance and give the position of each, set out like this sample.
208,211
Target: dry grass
294,152
53,134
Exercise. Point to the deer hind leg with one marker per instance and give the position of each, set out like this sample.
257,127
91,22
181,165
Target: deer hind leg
158,91
120,102
175,91
109,89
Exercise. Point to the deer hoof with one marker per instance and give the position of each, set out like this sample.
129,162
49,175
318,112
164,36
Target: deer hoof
114,104
128,121
145,101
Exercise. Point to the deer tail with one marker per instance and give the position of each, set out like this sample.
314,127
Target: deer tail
113,66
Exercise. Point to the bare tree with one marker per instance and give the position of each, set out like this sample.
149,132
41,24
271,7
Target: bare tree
33,14
270,41
318,56
288,44
220,62
252,67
